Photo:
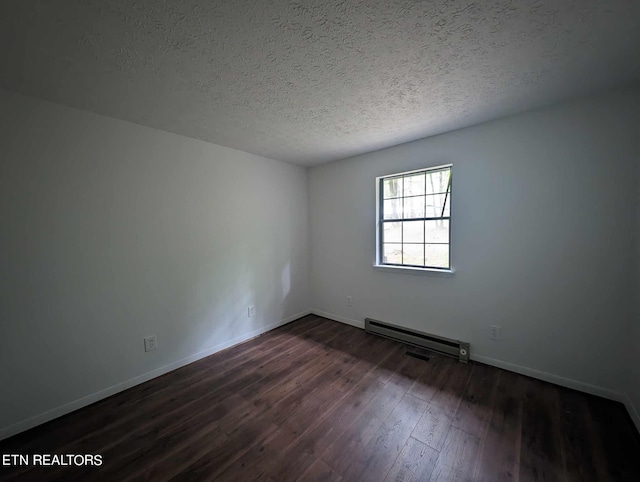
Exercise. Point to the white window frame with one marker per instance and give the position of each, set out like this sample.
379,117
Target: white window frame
378,264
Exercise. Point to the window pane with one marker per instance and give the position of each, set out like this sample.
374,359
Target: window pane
392,233
436,255
392,209
413,254
414,207
438,181
392,187
413,232
392,253
436,231
416,196
434,206
414,184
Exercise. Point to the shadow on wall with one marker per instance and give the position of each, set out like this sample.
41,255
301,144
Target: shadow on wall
218,303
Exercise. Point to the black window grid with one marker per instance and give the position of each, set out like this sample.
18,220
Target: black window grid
424,244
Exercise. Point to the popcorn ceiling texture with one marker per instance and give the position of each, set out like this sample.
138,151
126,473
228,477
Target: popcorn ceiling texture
314,81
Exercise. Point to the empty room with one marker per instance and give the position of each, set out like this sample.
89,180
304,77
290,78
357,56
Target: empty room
333,240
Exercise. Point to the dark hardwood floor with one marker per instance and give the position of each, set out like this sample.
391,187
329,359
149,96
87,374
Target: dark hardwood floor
318,400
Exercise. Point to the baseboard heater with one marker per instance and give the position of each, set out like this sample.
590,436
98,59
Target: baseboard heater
458,349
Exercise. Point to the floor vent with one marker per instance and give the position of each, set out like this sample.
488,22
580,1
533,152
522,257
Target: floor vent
418,355
458,349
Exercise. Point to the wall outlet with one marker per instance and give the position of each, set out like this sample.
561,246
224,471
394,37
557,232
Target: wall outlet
349,301
251,311
150,343
495,332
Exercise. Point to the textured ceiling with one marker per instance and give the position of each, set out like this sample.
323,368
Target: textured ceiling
313,81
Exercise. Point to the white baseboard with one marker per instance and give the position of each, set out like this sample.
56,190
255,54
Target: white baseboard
633,412
107,392
512,367
550,377
341,319
23,425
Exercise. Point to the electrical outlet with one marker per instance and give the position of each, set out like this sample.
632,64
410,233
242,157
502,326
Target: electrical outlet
349,301
251,311
495,332
150,343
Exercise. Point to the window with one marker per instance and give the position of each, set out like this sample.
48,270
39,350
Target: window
414,216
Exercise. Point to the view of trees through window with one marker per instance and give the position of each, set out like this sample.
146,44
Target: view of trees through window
415,213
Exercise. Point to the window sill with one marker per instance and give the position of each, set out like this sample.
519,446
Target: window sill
445,273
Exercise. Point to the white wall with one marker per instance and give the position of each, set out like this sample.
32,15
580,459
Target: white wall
542,240
110,232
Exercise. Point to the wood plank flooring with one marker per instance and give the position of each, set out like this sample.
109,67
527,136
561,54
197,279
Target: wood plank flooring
318,400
